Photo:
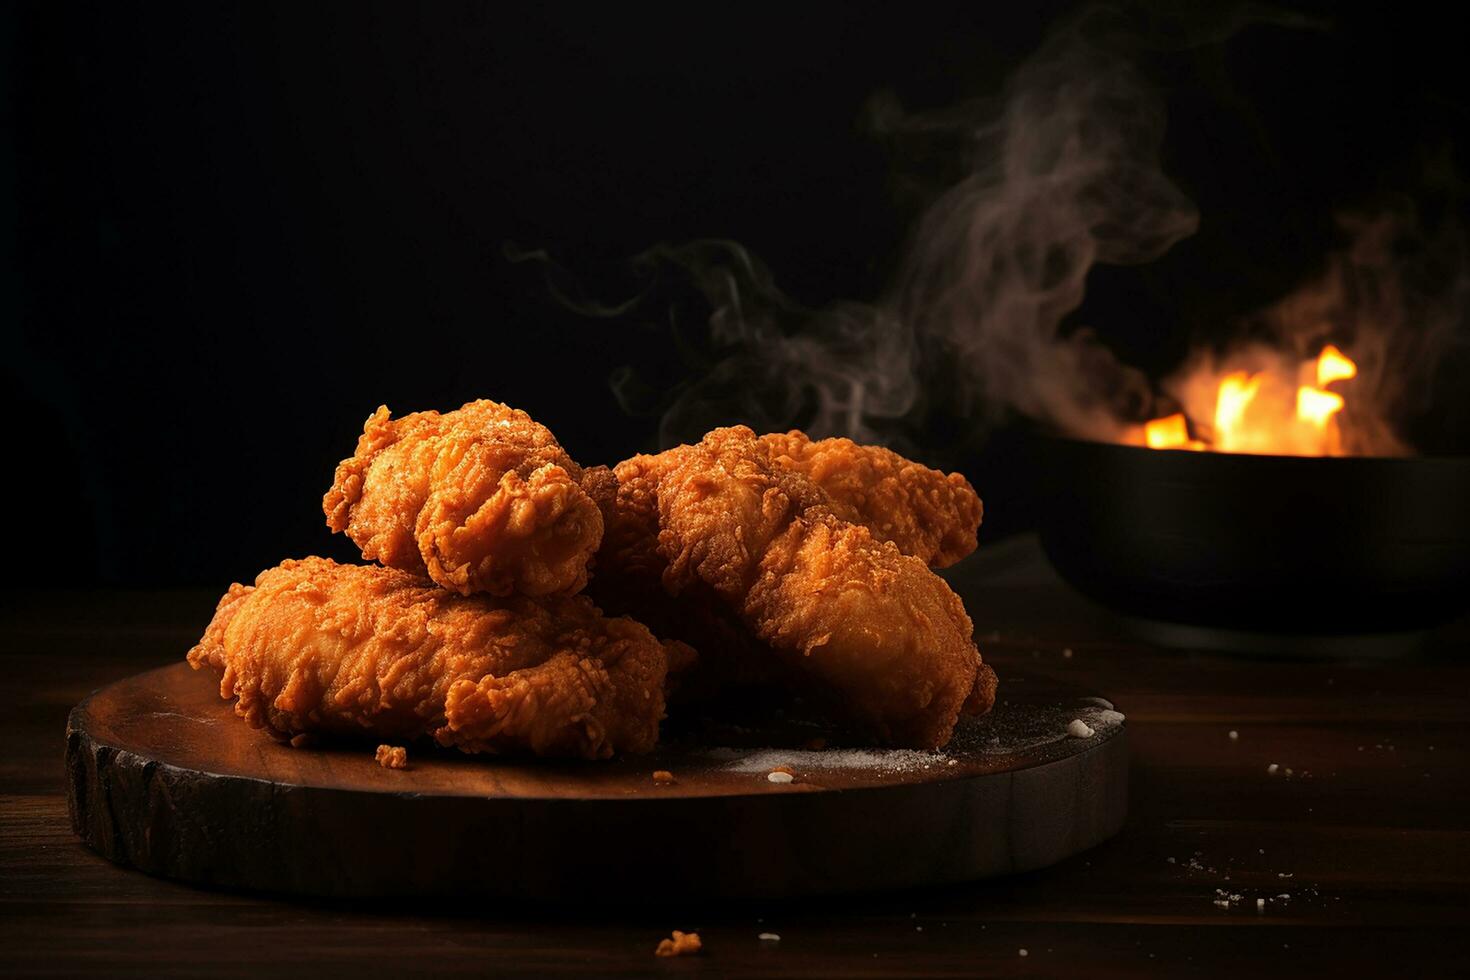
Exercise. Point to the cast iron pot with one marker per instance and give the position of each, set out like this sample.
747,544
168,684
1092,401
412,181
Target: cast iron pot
1280,544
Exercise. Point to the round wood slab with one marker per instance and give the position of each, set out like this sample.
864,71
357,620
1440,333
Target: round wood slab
165,778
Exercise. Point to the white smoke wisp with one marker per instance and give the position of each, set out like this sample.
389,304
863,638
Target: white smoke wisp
1063,172
1066,177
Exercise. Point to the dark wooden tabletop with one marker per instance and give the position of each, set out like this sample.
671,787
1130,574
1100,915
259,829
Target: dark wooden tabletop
1359,841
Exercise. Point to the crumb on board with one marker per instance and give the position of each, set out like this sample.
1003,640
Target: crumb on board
392,757
303,740
1271,769
1077,728
679,944
663,776
1234,735
769,937
1023,952
779,776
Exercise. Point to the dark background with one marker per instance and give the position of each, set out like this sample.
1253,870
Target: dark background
231,232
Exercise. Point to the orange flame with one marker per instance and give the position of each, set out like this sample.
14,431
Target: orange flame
1333,365
1170,432
1256,412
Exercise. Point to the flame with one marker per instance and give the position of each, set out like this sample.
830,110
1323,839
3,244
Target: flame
1170,432
1237,391
1333,365
1262,411
1315,406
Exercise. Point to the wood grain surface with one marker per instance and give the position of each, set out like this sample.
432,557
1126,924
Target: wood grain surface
163,777
1369,836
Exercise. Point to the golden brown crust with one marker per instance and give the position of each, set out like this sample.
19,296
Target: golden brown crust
926,513
753,558
315,646
481,499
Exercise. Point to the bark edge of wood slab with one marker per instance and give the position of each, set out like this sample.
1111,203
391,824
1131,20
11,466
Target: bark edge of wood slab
164,778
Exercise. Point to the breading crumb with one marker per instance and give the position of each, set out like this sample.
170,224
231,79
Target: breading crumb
1078,728
680,944
778,776
392,757
304,740
662,776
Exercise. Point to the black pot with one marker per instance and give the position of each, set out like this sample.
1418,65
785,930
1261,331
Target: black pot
1280,544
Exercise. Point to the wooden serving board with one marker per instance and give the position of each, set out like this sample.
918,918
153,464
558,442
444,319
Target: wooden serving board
163,777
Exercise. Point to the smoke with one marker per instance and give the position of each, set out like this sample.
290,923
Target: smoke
1066,177
1059,173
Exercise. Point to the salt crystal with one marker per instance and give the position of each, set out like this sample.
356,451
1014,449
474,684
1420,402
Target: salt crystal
779,777
1272,768
1078,728
1234,735
769,937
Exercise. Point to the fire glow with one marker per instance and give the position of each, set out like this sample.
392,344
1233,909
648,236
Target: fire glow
1265,411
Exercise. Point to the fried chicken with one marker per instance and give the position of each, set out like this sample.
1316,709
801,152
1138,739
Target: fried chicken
316,646
927,514
754,545
481,499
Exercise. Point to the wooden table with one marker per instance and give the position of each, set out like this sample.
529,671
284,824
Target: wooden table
1365,824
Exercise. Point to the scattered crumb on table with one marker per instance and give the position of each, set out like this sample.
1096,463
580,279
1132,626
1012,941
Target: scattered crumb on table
392,757
769,937
662,776
302,741
680,944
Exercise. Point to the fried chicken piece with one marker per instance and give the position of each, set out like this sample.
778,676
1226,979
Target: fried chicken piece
315,646
391,757
876,629
481,499
629,581
679,944
927,514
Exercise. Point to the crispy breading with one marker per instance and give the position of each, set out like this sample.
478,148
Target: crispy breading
926,513
743,540
481,499
316,646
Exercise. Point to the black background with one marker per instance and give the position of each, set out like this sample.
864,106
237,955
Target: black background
234,231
